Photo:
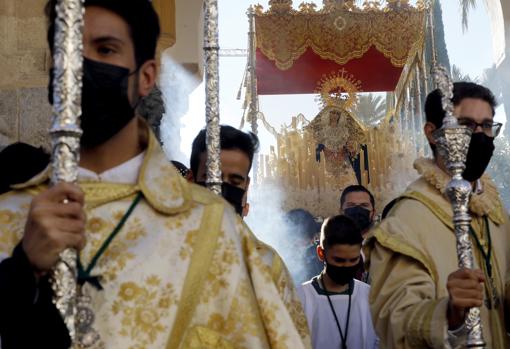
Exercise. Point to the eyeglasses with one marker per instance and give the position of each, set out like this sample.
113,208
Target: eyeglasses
490,128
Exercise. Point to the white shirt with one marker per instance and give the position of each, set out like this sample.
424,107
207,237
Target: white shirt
125,173
322,324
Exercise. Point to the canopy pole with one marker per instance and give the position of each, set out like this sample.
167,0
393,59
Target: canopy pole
254,99
251,68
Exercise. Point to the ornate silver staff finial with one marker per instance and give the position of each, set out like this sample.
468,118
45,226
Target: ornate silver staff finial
65,134
452,142
212,103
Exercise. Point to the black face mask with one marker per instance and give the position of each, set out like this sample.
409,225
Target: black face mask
105,103
232,194
479,155
341,275
360,215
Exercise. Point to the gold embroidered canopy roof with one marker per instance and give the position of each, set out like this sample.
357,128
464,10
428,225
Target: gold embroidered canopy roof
339,31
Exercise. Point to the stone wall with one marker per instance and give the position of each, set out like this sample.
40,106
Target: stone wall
24,110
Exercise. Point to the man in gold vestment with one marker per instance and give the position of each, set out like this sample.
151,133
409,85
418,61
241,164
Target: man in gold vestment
419,297
165,263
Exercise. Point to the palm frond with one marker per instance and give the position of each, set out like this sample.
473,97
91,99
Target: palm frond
458,75
466,6
370,108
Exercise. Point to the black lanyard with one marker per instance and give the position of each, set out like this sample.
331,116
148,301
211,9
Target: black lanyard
84,274
485,254
492,301
342,337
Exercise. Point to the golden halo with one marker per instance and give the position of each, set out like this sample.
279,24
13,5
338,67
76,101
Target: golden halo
338,89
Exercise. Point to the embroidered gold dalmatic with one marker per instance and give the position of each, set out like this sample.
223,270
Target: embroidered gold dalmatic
413,251
183,272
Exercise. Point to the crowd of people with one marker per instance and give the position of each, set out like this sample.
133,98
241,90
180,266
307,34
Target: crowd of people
164,263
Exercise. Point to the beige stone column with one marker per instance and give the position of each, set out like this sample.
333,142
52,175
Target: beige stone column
24,110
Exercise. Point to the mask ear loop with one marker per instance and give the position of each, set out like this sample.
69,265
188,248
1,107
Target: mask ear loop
139,99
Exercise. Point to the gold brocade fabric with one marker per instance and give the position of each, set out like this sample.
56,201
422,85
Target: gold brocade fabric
184,272
412,253
337,33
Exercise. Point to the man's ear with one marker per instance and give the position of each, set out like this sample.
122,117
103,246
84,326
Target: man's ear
320,253
147,77
246,209
429,129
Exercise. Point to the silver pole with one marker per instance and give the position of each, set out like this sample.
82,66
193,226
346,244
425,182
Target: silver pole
212,103
421,122
253,109
65,135
251,68
452,145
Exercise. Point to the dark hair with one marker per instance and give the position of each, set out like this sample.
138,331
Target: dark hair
434,110
355,189
34,161
183,170
230,138
301,223
340,230
388,208
140,15
152,108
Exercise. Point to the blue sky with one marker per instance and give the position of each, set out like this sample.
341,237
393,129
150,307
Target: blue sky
471,51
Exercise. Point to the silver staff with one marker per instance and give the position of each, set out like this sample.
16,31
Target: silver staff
452,144
253,109
65,135
212,91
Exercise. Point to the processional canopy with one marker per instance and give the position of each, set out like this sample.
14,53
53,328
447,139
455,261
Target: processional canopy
296,49
337,51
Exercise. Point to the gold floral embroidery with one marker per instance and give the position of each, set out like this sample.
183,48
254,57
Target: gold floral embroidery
223,262
256,261
11,229
282,282
269,310
117,255
96,224
142,309
204,338
243,318
187,247
176,222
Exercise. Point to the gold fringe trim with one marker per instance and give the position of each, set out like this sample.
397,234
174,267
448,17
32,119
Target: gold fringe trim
487,203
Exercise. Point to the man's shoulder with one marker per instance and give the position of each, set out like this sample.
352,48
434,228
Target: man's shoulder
202,196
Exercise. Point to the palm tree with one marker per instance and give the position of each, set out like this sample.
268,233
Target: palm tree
465,7
499,168
370,108
458,75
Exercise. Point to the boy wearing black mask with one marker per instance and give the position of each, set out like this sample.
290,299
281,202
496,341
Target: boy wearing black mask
237,151
419,297
335,304
358,203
